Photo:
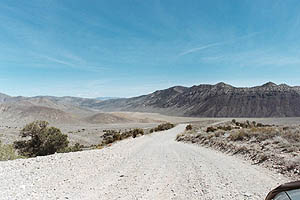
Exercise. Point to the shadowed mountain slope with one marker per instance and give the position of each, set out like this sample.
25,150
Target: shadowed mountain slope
220,100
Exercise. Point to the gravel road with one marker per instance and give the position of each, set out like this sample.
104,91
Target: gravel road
149,167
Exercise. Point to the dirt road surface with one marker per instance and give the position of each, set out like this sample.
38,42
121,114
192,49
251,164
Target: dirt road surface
149,167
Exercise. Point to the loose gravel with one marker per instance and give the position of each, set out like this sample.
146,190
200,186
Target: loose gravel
149,167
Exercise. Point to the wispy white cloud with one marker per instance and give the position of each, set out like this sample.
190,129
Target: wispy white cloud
201,48
73,61
217,44
58,61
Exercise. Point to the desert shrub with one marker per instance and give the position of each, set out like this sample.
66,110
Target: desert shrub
188,127
132,133
111,136
225,128
151,130
238,135
8,152
248,124
136,132
76,147
117,136
259,125
109,132
244,125
125,135
163,127
40,140
233,121
210,129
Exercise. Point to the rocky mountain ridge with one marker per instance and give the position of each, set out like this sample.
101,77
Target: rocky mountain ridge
220,100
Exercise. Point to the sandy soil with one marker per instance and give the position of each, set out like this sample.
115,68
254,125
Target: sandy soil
149,167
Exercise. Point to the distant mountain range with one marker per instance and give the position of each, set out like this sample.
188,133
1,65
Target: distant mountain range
60,110
53,109
220,100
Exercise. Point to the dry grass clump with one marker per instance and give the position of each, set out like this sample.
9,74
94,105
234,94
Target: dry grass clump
239,135
240,150
292,135
234,125
264,133
180,136
259,134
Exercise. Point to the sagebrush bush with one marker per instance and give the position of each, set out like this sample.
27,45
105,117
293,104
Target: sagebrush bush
164,126
40,140
136,132
210,129
125,135
225,128
188,127
110,136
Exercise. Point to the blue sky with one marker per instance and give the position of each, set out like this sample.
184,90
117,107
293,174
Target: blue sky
126,48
